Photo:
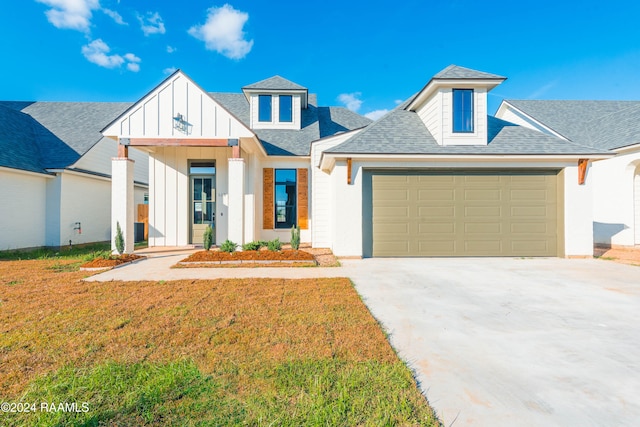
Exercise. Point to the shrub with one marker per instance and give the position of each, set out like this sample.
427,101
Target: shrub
274,245
207,238
295,238
228,246
119,240
254,246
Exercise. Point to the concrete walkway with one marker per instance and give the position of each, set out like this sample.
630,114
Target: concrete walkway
157,266
493,341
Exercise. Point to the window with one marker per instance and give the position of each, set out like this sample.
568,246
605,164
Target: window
286,108
285,198
264,108
463,110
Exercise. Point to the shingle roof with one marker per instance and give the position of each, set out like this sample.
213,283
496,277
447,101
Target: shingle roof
59,132
403,132
317,122
457,72
275,83
17,150
599,124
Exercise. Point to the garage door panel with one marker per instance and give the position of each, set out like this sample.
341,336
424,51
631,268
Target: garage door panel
483,228
394,228
392,212
529,194
536,228
482,211
436,227
497,213
436,247
482,194
436,211
436,195
530,247
481,247
480,179
530,211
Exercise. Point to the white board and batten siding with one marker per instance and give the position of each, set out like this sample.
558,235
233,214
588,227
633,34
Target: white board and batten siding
23,209
169,215
322,193
153,116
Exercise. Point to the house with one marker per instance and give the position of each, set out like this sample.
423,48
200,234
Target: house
55,173
437,176
610,125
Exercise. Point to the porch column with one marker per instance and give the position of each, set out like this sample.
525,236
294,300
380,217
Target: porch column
236,200
122,202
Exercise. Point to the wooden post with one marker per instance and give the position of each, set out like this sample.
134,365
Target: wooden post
582,170
123,151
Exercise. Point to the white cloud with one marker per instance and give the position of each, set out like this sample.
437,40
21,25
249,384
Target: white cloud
98,52
117,18
152,23
376,114
133,62
171,49
351,100
170,70
223,32
71,14
398,101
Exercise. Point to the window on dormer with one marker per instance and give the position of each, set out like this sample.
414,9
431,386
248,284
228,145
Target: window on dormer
264,108
286,108
463,110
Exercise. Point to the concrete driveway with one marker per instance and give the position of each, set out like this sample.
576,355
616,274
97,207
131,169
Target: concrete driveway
514,342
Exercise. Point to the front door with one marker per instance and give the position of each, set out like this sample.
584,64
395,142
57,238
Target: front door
203,201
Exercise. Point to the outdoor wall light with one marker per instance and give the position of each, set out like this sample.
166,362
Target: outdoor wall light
180,123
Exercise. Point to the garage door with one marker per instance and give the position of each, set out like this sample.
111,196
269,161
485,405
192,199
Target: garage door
465,214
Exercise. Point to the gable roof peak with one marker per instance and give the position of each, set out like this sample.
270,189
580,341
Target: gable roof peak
456,72
275,83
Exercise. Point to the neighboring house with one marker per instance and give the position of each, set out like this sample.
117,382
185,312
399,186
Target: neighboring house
610,125
436,176
55,170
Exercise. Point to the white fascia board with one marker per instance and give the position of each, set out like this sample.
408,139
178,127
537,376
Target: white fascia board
328,159
255,145
89,174
25,172
109,131
81,173
304,93
434,84
506,105
627,149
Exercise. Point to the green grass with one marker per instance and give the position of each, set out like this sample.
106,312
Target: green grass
295,393
84,253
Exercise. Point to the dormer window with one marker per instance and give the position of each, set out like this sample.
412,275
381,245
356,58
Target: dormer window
264,108
463,111
286,108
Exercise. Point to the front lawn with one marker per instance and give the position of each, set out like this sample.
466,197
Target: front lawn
193,352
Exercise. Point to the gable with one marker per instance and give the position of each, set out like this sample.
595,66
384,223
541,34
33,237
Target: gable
177,108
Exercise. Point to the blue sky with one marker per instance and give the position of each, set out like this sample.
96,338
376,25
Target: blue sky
363,55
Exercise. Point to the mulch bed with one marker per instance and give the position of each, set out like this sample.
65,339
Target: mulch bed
112,261
284,255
